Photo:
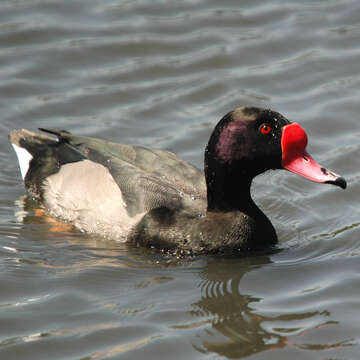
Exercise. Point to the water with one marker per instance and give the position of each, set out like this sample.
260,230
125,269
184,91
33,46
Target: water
161,74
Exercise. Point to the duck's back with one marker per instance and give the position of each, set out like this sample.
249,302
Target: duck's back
105,187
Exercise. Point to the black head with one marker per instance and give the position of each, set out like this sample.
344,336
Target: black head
249,139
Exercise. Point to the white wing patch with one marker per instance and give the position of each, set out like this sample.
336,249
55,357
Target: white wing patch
24,158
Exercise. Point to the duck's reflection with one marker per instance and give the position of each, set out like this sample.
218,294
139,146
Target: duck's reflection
230,310
237,329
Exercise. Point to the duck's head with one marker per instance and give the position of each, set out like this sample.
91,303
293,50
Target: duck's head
249,141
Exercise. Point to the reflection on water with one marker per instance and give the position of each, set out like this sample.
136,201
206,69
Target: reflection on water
235,319
238,330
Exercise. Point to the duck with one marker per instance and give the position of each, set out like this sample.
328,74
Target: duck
153,198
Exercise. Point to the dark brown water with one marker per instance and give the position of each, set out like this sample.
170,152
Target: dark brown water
161,74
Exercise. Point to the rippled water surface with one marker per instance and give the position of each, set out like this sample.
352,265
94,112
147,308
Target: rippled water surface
161,74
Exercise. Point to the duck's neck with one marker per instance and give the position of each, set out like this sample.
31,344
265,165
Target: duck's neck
228,188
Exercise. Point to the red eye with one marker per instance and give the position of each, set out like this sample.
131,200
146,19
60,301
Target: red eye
265,129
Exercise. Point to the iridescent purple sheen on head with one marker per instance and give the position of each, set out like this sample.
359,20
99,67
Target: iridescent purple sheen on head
232,141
